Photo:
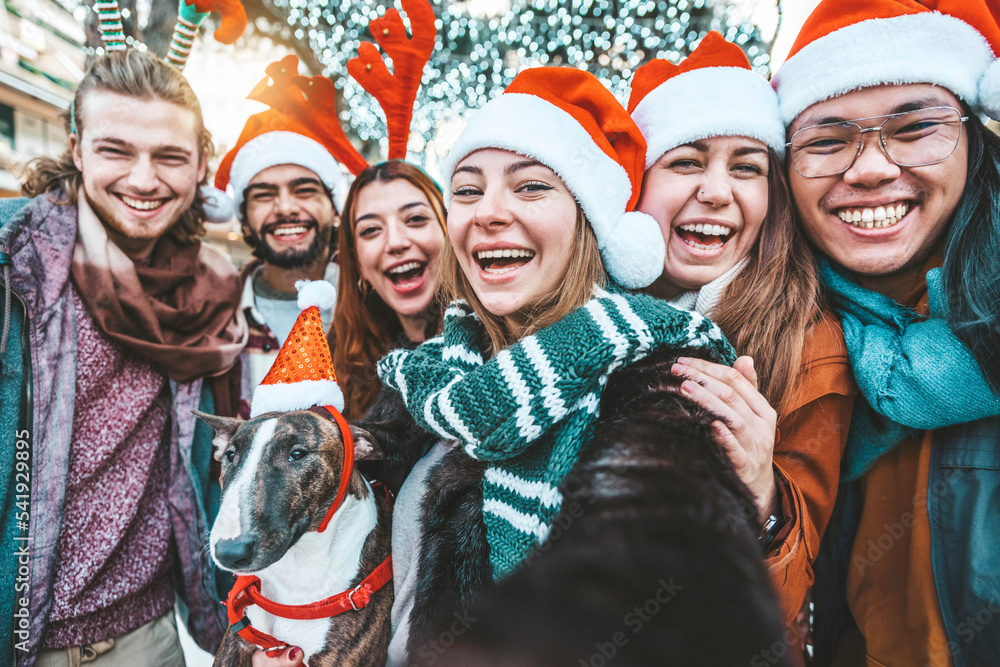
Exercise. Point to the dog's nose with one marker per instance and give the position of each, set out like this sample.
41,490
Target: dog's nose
235,554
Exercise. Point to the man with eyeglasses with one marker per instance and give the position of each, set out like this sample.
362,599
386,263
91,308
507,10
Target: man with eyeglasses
897,185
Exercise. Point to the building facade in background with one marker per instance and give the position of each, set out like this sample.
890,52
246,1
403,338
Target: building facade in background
41,61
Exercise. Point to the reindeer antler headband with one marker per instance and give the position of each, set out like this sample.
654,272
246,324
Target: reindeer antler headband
396,92
189,17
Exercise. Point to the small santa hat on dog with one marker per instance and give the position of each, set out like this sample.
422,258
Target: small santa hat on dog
846,45
566,119
302,374
677,104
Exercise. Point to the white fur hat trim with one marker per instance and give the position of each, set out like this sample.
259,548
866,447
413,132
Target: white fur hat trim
531,126
928,47
301,395
709,102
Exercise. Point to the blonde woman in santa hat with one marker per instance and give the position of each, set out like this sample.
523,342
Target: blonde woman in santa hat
542,185
715,184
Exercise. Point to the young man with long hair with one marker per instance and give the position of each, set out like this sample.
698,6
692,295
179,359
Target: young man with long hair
123,322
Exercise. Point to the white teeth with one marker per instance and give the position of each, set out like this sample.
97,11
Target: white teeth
499,271
707,230
142,205
289,231
403,268
505,252
874,218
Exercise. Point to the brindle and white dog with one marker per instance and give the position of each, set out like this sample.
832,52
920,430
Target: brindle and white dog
280,474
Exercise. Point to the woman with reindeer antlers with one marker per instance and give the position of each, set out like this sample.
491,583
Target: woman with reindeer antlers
387,285
393,227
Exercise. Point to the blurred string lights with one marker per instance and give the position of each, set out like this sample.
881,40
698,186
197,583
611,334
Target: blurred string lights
483,44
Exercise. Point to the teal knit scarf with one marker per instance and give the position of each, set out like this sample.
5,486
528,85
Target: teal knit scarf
530,409
914,374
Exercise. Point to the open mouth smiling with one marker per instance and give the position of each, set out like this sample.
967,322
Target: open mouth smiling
878,217
406,274
503,260
704,236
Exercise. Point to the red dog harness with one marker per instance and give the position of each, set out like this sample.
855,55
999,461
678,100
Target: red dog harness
246,590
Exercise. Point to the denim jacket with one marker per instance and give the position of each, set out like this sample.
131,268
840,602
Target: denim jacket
963,503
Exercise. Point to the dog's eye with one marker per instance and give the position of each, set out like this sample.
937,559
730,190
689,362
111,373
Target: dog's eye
296,454
230,455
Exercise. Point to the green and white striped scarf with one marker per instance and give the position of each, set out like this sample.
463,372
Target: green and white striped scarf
530,409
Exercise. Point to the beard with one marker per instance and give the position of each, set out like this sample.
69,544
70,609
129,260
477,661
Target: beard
291,259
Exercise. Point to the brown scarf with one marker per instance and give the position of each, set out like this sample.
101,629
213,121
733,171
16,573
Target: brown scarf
181,311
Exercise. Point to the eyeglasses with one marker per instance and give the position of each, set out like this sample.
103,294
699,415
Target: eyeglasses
909,139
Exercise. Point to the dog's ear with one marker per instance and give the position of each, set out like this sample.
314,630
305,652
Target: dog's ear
366,447
225,428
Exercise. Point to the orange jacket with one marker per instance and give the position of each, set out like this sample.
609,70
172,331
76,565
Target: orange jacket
812,434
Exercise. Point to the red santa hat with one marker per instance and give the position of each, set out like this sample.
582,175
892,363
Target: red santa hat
300,128
677,104
846,45
302,375
566,119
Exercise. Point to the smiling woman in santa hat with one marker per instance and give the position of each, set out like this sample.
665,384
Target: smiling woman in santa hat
715,184
542,185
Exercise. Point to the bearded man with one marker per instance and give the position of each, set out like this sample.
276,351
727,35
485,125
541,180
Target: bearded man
283,180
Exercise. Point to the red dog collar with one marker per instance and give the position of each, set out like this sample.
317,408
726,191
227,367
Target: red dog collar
246,592
329,411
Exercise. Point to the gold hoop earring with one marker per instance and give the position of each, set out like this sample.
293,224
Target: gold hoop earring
364,287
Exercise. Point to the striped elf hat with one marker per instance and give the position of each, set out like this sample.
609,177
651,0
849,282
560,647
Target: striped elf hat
190,14
302,374
566,119
846,45
677,104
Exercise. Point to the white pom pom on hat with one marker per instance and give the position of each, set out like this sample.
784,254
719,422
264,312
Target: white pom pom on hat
317,293
566,119
218,206
989,91
634,250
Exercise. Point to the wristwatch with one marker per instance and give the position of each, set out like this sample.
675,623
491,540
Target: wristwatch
769,531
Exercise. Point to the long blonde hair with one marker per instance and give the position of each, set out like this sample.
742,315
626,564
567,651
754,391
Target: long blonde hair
365,328
585,271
